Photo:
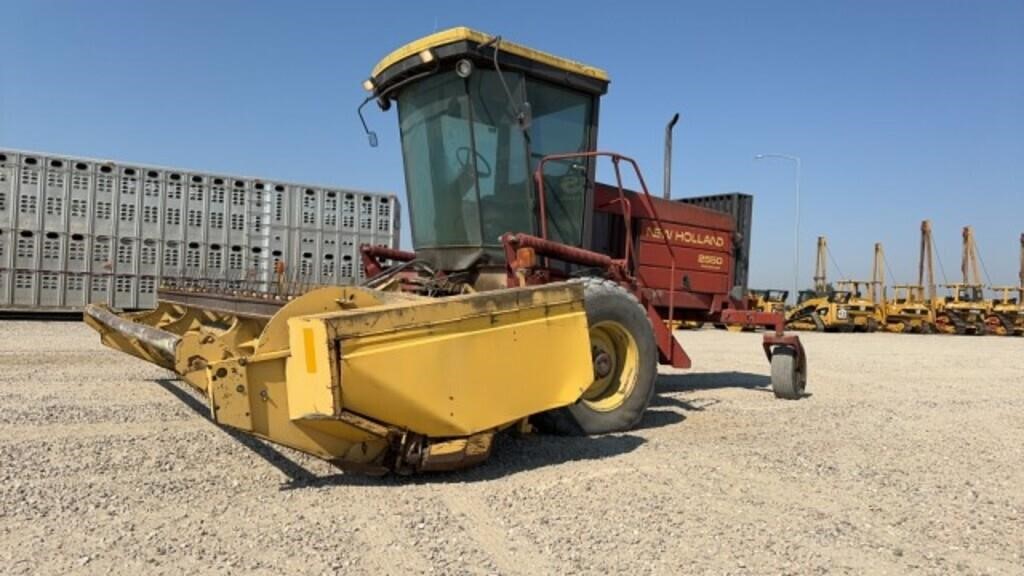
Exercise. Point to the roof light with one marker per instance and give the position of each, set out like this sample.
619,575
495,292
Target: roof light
464,68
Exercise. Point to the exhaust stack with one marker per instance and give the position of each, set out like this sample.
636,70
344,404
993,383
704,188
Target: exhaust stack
667,193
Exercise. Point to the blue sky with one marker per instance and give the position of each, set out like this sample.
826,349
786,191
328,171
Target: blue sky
899,110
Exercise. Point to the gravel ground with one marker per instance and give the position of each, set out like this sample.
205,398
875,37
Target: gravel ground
907,458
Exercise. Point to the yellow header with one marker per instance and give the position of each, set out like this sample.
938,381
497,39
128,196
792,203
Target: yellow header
463,33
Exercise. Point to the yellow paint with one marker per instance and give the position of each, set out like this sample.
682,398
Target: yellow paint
453,35
452,370
609,392
312,390
229,395
307,335
457,366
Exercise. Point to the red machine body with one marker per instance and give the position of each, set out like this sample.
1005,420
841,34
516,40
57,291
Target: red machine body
676,258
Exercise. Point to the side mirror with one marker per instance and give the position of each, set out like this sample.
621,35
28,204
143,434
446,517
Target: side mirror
370,134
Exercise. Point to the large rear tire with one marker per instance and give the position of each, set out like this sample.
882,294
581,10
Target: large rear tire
625,360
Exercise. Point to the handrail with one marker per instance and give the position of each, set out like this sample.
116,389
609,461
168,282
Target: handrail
615,158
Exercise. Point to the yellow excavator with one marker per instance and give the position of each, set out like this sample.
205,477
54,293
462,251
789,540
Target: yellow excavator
535,296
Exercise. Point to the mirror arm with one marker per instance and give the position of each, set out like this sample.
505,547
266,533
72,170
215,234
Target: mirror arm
384,104
370,134
523,111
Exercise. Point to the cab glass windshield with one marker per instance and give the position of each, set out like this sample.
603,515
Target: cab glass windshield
469,166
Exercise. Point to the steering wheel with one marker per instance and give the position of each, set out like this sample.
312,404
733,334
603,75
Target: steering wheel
463,153
572,183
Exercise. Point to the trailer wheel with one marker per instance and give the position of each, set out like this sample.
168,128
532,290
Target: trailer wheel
625,360
789,379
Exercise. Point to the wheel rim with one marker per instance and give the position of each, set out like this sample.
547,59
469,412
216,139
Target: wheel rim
616,358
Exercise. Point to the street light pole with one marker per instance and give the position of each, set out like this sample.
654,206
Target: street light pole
796,226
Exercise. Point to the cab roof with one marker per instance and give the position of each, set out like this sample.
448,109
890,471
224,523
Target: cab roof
463,42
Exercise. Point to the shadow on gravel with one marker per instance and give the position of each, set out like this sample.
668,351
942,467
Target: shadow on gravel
512,453
672,383
661,418
275,458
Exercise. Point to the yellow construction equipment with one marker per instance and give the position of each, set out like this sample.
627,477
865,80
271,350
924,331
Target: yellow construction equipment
965,310
769,300
862,312
1007,316
908,309
543,300
828,308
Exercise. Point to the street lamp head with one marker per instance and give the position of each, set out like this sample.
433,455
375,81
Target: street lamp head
776,155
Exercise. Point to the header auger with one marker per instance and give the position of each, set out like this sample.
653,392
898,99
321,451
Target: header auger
533,294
